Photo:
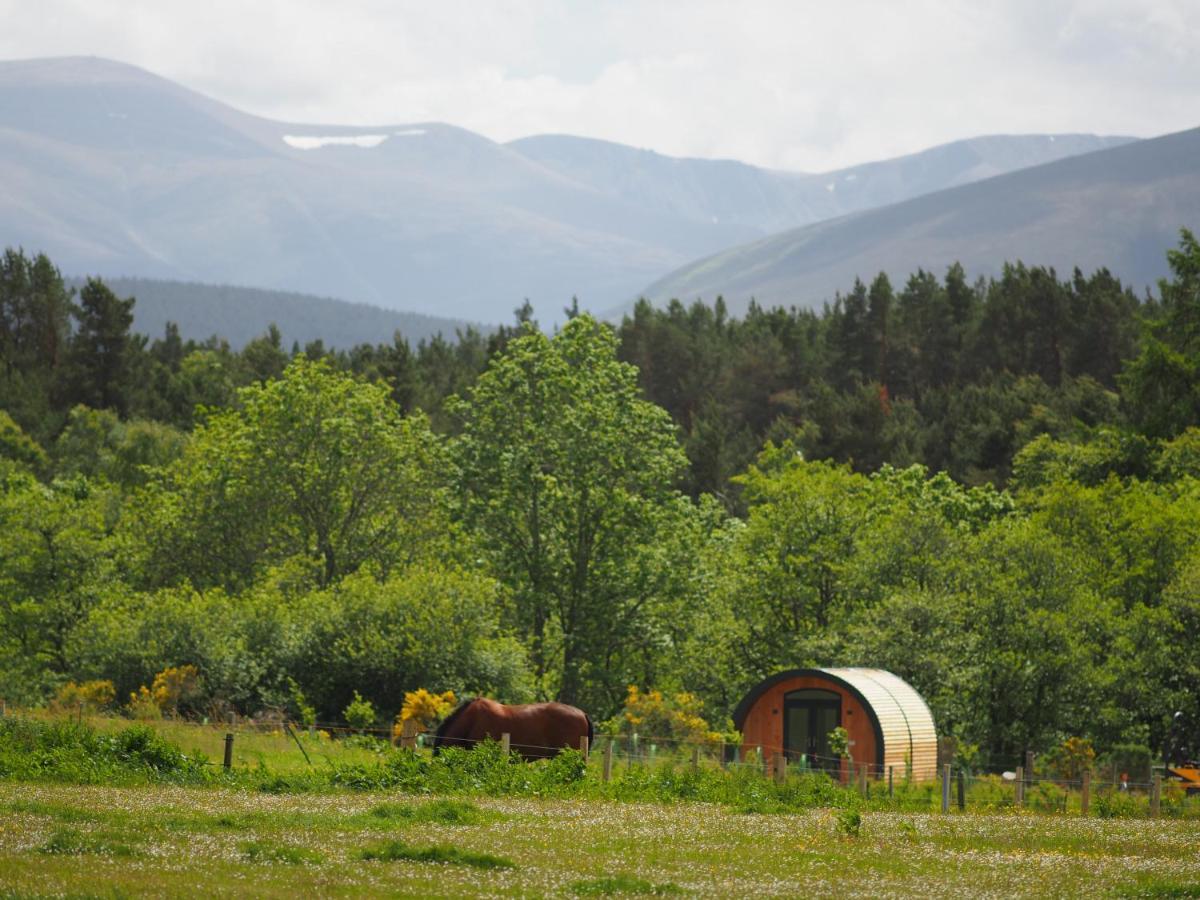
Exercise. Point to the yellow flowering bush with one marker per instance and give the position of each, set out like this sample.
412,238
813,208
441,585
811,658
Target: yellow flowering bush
93,696
172,686
423,708
1070,759
676,717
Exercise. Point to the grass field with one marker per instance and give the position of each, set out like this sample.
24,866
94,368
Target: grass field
109,810
58,840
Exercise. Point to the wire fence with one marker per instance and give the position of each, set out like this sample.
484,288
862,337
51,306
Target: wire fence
903,786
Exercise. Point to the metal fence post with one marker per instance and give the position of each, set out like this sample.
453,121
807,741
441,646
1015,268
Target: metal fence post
946,788
228,751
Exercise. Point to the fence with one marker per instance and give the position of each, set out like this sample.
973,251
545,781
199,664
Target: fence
955,788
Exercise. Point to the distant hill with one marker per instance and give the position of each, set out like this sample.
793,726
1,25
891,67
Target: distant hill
1119,208
239,315
112,170
723,191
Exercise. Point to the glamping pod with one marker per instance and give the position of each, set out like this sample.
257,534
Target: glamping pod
887,721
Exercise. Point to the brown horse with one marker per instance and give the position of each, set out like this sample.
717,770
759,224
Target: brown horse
535,730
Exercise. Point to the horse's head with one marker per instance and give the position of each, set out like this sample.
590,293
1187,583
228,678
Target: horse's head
447,731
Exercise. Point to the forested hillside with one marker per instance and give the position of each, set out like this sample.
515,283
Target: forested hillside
239,314
990,488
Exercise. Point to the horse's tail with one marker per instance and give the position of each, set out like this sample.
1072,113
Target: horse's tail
440,737
591,731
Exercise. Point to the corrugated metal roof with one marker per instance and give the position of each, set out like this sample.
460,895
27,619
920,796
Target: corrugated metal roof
909,733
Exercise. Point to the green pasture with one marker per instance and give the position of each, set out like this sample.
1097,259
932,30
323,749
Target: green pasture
62,840
106,809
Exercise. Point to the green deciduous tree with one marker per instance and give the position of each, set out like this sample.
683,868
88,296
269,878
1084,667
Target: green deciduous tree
566,475
317,465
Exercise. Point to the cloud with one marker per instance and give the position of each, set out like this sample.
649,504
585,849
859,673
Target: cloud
795,85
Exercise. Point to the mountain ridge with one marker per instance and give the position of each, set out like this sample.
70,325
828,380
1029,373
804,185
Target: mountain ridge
113,170
1119,208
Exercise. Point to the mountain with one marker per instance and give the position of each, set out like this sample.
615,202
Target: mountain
766,201
238,315
1119,208
111,170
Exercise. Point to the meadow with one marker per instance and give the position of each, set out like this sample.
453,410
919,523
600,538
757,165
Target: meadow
107,810
58,840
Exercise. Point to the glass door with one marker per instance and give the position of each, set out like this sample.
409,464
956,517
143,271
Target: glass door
808,717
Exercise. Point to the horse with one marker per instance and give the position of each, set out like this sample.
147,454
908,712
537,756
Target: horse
535,730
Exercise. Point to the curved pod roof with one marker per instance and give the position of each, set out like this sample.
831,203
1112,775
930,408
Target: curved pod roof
901,717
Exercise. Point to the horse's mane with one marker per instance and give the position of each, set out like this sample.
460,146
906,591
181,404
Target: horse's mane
449,720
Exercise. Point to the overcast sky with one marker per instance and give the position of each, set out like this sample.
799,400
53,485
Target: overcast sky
791,84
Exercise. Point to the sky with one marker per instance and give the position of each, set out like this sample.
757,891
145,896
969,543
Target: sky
791,85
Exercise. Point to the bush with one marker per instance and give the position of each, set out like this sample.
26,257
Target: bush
93,696
1118,805
63,751
360,713
675,718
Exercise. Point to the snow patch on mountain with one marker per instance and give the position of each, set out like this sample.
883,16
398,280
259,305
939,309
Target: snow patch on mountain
315,142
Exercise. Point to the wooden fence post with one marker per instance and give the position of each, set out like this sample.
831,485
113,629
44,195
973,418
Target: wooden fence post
891,792
1019,788
724,761
228,751
695,757
780,768
1085,792
505,743
1156,796
946,788
1028,770
764,759
583,746
608,754
863,787
962,790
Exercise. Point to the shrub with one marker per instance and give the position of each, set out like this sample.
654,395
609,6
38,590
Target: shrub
173,687
63,751
93,696
1047,797
360,713
674,718
1070,759
839,742
849,821
1117,805
423,709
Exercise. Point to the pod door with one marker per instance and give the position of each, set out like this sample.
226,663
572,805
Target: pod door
808,717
